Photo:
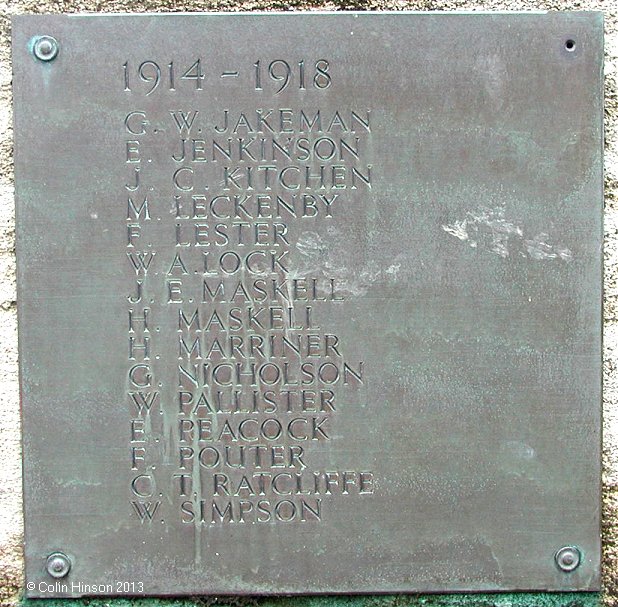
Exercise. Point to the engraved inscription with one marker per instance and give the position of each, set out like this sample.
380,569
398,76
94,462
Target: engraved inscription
275,75
256,379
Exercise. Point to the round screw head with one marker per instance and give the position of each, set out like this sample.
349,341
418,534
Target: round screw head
568,558
58,565
45,48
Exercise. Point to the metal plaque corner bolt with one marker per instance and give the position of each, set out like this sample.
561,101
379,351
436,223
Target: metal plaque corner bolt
568,558
58,565
45,48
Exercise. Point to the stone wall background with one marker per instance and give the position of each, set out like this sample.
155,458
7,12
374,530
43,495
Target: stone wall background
10,464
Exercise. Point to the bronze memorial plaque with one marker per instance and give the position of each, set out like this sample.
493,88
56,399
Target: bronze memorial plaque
309,303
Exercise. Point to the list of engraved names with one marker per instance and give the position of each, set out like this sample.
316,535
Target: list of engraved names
226,419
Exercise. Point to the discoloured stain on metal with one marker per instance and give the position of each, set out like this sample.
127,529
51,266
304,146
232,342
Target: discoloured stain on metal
489,230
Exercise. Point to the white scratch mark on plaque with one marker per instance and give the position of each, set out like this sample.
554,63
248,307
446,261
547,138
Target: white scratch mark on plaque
494,557
78,483
311,247
519,450
321,257
488,229
493,72
394,269
539,248
457,229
